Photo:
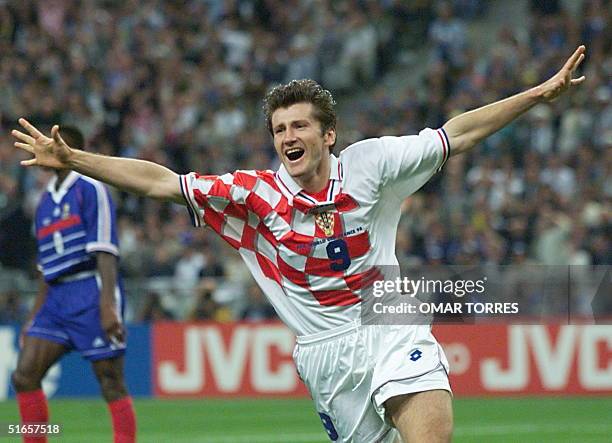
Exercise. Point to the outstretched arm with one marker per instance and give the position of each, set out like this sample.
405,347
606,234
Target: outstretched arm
137,176
468,129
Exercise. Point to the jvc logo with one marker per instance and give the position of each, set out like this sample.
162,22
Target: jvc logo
415,355
535,353
248,359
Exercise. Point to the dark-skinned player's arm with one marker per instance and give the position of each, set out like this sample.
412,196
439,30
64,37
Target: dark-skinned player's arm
468,129
41,296
131,175
110,317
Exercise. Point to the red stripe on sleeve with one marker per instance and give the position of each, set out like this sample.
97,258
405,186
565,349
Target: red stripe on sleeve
444,148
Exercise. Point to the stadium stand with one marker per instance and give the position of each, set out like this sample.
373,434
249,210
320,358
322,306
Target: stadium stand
180,83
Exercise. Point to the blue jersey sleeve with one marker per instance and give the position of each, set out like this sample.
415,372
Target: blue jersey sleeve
98,213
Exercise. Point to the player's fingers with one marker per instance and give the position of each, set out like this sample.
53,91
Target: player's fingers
111,329
578,62
577,81
56,135
30,128
115,332
123,333
574,57
23,137
30,162
24,146
117,336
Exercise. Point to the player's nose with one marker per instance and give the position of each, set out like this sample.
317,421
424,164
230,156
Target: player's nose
290,136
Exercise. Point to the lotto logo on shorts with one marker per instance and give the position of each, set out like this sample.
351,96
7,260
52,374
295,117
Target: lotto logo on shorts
415,355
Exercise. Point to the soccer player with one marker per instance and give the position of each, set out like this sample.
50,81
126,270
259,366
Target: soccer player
310,234
80,304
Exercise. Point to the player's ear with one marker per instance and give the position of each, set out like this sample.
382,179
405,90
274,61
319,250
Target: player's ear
330,137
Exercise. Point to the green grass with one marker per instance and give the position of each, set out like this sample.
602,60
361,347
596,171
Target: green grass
513,420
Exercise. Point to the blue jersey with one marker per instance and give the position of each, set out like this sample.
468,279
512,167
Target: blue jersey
71,224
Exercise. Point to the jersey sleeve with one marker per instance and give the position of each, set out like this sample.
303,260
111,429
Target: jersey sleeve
219,202
98,213
409,162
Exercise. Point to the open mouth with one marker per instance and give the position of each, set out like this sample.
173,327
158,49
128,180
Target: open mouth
294,154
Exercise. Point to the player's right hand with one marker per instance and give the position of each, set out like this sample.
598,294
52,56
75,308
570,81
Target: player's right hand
111,323
562,80
51,152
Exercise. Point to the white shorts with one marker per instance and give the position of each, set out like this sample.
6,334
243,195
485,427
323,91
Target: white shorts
351,371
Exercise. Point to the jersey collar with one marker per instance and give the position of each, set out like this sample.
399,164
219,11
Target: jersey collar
58,194
335,173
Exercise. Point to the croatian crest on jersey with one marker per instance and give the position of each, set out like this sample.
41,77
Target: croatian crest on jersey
325,221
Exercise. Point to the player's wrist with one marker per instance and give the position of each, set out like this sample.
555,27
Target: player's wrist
537,93
74,158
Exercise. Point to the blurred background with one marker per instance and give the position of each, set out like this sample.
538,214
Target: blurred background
181,82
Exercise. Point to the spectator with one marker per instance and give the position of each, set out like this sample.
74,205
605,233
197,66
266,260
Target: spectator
205,307
12,309
153,310
188,268
447,35
258,308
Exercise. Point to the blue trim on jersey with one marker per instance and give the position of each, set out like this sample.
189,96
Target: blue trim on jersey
445,147
307,197
448,145
192,210
330,194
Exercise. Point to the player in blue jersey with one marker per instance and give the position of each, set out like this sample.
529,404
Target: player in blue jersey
79,305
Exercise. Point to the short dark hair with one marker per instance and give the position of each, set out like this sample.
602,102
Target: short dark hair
302,91
72,136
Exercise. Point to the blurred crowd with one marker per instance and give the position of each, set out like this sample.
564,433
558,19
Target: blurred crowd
180,83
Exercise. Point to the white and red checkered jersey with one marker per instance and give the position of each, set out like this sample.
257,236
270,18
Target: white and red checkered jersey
312,258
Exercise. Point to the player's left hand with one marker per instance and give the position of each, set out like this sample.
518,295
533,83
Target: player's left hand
111,323
562,80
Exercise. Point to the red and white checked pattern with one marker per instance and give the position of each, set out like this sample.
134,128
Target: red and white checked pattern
268,218
249,211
